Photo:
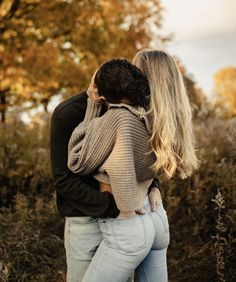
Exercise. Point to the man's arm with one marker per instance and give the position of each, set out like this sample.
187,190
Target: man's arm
92,140
75,189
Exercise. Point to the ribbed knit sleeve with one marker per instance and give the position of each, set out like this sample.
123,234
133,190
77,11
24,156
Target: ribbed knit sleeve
121,169
91,142
93,110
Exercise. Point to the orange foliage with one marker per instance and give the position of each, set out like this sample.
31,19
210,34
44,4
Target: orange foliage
54,46
225,88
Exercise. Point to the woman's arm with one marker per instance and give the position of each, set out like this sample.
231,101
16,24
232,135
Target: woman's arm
92,141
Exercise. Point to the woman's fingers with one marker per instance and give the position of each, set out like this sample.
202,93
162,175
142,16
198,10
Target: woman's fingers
93,93
141,211
154,198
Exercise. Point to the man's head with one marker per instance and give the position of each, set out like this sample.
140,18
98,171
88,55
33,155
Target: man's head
119,79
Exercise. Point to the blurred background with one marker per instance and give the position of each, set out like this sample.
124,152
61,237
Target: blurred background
48,52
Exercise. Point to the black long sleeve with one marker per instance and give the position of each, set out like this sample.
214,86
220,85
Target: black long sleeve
76,195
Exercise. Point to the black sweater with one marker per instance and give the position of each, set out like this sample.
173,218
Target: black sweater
76,195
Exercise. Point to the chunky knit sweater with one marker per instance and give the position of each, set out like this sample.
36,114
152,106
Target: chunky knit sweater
115,148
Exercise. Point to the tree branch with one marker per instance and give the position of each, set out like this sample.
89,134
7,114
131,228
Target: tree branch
11,12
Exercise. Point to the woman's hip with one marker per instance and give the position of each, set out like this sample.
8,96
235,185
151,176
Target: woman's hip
130,235
161,226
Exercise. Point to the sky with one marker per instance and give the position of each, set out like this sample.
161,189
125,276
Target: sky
204,36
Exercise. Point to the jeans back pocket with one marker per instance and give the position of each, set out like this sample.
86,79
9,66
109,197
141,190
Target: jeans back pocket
126,235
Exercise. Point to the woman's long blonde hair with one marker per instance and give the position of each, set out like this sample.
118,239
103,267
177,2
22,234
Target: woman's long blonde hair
172,137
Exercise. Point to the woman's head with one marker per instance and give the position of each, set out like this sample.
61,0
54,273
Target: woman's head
172,135
119,80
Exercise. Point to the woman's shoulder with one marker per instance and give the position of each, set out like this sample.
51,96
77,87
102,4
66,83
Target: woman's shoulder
134,115
120,117
124,111
124,118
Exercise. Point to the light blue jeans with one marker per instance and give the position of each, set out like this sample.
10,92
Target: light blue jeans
82,237
125,244
154,267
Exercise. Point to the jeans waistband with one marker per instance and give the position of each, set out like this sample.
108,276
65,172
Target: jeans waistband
81,219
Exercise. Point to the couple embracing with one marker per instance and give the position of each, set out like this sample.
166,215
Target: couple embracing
108,146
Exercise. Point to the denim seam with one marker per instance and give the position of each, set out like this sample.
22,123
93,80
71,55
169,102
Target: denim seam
144,274
68,238
166,224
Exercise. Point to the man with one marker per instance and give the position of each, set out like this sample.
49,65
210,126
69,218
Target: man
78,197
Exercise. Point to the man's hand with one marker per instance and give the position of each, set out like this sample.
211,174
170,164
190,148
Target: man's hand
154,198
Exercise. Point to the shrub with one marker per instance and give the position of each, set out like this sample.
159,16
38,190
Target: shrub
24,162
31,242
191,210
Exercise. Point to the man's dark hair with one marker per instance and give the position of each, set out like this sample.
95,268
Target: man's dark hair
119,79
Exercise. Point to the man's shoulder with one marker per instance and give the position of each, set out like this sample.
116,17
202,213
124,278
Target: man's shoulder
72,105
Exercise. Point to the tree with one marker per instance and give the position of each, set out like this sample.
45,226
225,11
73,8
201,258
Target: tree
51,47
195,94
225,89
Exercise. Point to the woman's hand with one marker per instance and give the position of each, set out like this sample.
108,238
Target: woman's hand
141,211
154,198
93,91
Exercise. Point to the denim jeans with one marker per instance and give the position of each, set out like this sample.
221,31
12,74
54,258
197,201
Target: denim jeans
154,267
82,237
138,242
126,242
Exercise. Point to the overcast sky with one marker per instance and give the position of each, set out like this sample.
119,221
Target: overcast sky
204,36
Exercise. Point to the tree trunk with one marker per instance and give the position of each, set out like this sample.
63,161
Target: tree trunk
3,116
45,102
3,106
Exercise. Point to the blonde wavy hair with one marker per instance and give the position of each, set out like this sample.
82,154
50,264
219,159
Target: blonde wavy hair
172,138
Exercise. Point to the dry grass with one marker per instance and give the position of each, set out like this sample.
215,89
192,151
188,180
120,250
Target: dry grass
201,209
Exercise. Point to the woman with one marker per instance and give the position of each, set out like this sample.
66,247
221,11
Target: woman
171,139
122,135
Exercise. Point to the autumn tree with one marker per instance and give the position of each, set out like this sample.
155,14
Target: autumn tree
225,89
195,94
51,47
